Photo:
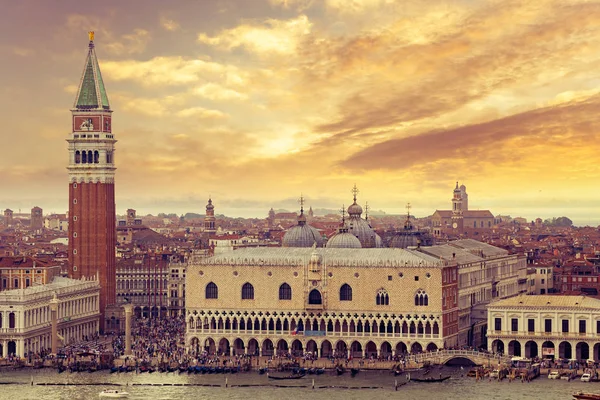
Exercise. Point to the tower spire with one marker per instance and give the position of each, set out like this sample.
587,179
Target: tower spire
366,210
92,93
343,212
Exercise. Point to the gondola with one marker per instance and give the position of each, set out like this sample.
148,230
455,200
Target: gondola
354,371
430,380
320,371
339,370
114,369
261,371
182,369
285,377
61,369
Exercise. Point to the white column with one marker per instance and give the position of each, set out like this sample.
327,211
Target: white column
54,310
128,311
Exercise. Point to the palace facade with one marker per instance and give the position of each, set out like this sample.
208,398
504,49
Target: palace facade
566,327
25,315
327,301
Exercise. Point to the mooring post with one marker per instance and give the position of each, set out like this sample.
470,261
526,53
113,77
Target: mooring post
396,384
313,383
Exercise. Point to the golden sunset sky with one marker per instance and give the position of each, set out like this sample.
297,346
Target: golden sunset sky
257,101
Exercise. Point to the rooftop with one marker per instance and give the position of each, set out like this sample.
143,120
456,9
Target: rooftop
527,301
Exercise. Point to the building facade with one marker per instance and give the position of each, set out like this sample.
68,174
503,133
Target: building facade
328,301
460,219
565,327
21,272
92,232
485,273
25,317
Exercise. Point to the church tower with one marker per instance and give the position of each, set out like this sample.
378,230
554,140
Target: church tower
209,219
92,231
457,210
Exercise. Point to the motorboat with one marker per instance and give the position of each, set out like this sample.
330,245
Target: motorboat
494,374
586,396
586,377
114,394
285,377
554,375
429,379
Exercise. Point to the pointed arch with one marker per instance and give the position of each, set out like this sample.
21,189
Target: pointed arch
212,291
346,292
247,291
285,292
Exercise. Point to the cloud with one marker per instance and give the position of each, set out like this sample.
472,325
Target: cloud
166,70
273,36
569,125
298,5
131,43
169,24
213,91
200,112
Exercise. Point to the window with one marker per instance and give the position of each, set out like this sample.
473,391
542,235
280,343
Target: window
543,281
285,292
565,325
247,291
16,283
531,325
597,326
547,325
345,292
382,299
514,324
416,278
314,297
27,282
389,277
582,327
74,201
497,324
421,298
11,320
212,291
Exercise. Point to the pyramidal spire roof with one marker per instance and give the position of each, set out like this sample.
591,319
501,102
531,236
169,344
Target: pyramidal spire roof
91,94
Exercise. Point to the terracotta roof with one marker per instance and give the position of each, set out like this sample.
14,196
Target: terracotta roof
527,301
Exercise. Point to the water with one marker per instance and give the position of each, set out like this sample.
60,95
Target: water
458,387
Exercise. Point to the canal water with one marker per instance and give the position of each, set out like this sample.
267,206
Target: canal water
17,384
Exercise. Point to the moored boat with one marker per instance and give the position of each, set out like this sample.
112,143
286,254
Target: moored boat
586,396
430,379
113,394
285,377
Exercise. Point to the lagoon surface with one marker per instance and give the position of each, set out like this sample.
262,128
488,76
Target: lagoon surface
17,384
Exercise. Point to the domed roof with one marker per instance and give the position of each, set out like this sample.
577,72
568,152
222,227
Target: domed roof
405,239
362,230
210,206
344,240
302,236
355,209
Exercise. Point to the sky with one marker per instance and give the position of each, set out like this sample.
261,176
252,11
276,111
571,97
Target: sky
255,102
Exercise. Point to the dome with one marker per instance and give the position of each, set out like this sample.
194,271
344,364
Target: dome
344,240
405,239
210,206
362,230
302,235
355,209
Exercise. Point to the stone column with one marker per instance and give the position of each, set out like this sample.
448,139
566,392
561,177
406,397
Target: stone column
5,348
54,320
128,312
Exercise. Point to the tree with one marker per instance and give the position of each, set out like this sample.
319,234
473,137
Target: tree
559,222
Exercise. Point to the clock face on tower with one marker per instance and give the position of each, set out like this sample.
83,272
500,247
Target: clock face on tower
455,225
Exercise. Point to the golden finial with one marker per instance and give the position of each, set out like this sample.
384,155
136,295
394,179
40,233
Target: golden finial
91,35
355,192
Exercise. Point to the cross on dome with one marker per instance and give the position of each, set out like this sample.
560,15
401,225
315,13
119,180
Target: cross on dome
355,191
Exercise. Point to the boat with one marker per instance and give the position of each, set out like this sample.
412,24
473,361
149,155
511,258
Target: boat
113,394
262,370
554,375
586,377
354,371
114,369
285,377
430,379
339,370
494,374
586,396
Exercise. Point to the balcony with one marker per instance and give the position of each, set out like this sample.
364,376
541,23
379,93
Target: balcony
313,306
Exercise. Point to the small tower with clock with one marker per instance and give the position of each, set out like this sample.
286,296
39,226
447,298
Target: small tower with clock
457,210
92,231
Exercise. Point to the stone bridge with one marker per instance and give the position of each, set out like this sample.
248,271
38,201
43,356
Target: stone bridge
476,357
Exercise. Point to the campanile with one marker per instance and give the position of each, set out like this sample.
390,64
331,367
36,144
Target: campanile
92,231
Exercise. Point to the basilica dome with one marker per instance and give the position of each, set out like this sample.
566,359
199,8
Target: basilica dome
302,235
343,240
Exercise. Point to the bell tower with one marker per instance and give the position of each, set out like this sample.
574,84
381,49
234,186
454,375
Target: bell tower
457,210
209,218
92,230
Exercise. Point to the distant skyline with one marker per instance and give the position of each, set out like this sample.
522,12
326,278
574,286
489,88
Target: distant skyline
257,101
